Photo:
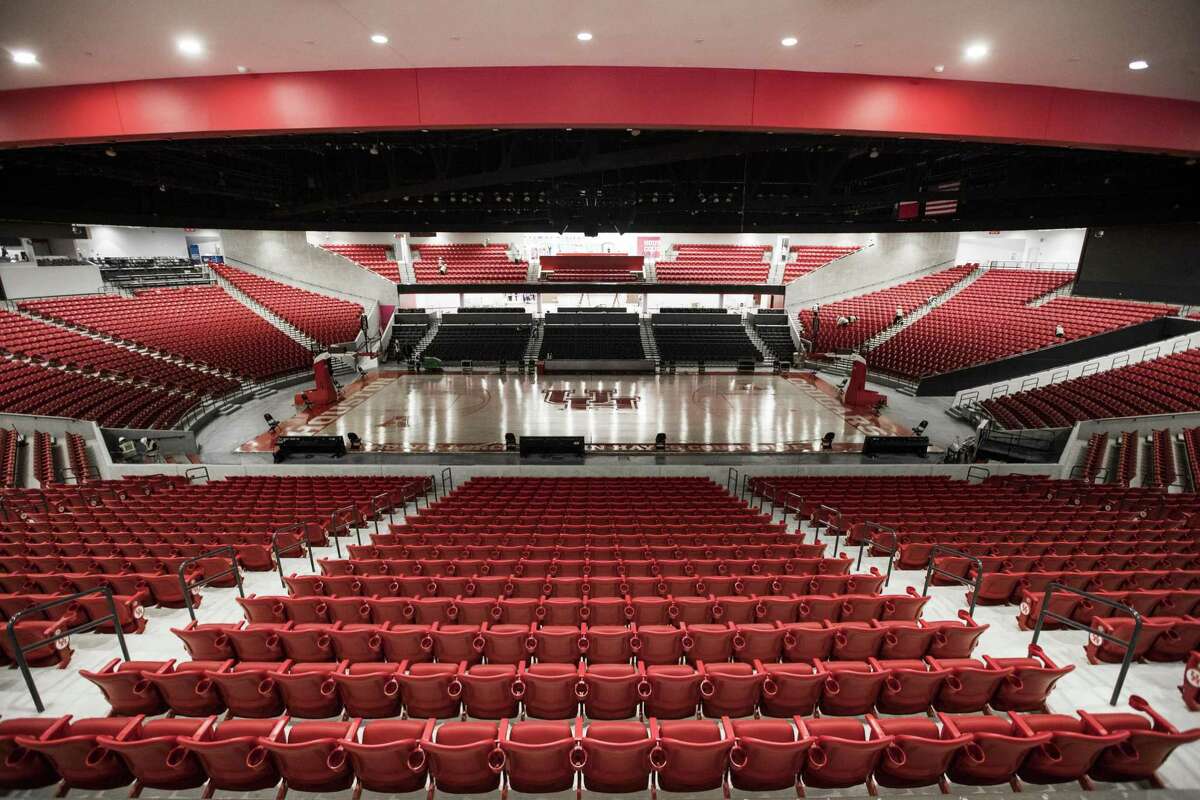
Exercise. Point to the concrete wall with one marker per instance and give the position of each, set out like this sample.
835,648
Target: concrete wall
59,427
26,280
117,241
888,259
1057,245
288,256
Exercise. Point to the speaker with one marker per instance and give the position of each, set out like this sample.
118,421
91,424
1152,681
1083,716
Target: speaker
745,365
309,445
551,446
896,445
660,442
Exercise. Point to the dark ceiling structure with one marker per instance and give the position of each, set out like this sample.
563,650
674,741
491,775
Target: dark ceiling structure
589,181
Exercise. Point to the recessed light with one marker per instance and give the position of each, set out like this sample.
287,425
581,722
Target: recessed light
1139,64
379,38
939,67
583,36
241,68
190,46
24,57
789,41
976,51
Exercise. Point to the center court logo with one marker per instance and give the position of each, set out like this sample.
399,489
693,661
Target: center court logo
570,399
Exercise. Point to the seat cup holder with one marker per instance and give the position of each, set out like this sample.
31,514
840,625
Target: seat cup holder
416,760
96,756
644,689
266,686
658,757
496,760
175,757
975,753
581,689
328,687
478,643
817,756
455,688
896,755
518,688
256,757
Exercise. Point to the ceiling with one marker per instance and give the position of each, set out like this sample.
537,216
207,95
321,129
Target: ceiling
590,180
1081,44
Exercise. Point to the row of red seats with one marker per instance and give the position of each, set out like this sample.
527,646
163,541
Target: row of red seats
992,318
613,610
373,257
1161,463
1006,587
253,553
45,391
508,641
1160,639
1160,386
1127,458
1050,556
41,341
539,757
713,263
56,650
804,258
326,319
557,690
467,263
148,589
202,324
1191,445
873,312
553,561
1147,602
1093,456
43,458
9,458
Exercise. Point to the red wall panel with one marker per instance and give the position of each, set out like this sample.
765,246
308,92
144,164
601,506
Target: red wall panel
596,97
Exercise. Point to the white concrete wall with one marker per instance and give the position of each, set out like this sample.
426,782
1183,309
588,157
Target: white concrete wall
26,280
59,427
106,241
1061,245
288,256
1091,366
890,258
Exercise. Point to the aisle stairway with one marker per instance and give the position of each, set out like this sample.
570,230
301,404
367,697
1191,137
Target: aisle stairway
919,312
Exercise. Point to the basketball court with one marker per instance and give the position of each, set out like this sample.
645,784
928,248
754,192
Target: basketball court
396,412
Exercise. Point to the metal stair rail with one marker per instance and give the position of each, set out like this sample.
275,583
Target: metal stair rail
1130,644
208,580
874,539
831,519
303,544
934,569
63,636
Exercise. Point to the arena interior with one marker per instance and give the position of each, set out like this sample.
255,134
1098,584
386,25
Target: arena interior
678,398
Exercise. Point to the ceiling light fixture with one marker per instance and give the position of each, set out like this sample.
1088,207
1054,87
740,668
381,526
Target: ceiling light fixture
789,41
976,51
1139,64
190,46
379,38
241,68
111,152
939,68
25,58
583,36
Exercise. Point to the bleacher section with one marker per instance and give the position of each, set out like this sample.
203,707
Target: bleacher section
715,263
202,324
804,258
1164,385
773,329
592,267
469,336
373,257
39,341
10,463
590,336
607,635
43,390
409,326
992,319
145,273
875,311
326,319
702,337
467,263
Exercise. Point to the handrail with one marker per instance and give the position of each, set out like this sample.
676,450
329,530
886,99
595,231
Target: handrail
433,482
447,474
933,569
817,519
378,508
731,479
745,485
1130,645
304,542
762,496
19,650
798,508
345,519
208,580
876,544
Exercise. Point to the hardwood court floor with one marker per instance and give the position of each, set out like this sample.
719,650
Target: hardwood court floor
406,413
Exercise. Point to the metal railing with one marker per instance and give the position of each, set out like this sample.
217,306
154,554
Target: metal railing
961,580
19,650
797,506
1078,474
830,518
1130,645
192,473
447,476
380,504
208,580
344,520
731,479
304,543
976,471
873,540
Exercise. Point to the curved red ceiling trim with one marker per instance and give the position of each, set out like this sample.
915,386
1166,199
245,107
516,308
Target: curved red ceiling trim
663,97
